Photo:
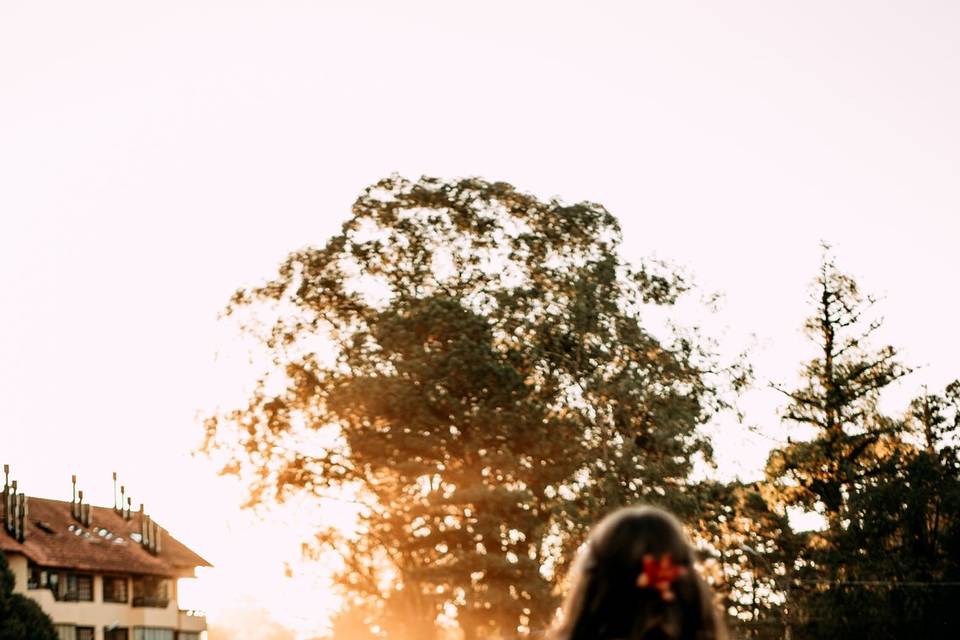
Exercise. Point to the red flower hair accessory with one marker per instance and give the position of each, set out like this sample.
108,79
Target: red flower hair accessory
660,575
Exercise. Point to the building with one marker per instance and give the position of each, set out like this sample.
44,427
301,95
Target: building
101,573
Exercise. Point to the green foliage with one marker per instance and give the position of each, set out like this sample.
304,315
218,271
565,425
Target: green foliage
837,401
889,488
903,535
473,365
487,387
750,549
20,617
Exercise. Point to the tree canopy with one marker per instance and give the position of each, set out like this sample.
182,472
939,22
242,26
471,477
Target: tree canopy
482,372
475,365
837,399
20,617
884,565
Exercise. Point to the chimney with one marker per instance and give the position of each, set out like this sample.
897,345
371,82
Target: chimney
73,500
22,518
86,515
123,501
115,491
129,515
5,505
12,508
79,507
15,524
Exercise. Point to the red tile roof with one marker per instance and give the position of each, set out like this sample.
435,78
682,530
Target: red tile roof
55,539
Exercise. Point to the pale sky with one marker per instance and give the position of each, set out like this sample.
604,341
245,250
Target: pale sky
154,157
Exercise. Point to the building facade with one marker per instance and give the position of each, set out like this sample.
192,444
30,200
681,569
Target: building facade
100,573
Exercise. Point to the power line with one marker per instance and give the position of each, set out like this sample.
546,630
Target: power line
879,583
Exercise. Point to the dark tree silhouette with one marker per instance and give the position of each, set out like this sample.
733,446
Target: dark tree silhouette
20,617
837,401
887,487
473,364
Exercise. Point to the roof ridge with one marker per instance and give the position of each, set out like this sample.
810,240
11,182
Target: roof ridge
58,544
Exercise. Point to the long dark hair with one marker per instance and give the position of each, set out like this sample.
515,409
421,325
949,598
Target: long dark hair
605,601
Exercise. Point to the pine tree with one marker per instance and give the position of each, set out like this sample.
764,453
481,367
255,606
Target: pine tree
887,487
836,403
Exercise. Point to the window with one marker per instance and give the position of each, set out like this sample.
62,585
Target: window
117,633
65,631
72,632
52,583
188,635
152,633
74,587
37,578
65,586
151,591
115,589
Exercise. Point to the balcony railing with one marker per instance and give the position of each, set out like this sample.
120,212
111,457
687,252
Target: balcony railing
192,621
71,596
151,601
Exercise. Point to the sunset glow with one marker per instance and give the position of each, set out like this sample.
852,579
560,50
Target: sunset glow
155,160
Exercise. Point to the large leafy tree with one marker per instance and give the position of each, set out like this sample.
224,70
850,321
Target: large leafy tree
20,617
471,363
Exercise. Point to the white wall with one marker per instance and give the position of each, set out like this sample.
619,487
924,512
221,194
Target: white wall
99,614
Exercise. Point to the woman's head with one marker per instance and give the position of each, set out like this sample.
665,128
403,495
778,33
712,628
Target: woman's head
635,580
